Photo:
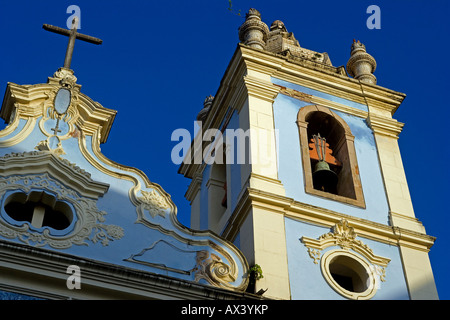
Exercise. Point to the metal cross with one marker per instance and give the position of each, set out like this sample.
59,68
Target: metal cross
73,35
56,128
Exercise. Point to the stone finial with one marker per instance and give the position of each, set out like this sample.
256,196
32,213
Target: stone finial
206,106
278,24
253,32
280,40
361,65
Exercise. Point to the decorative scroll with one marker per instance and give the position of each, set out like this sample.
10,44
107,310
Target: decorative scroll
211,268
201,264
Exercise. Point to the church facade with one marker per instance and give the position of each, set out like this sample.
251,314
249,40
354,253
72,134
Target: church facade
306,197
76,225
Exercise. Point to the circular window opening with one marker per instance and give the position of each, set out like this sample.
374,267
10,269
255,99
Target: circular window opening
348,274
40,209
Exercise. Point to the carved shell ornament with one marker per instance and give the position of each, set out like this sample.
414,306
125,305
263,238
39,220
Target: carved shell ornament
343,236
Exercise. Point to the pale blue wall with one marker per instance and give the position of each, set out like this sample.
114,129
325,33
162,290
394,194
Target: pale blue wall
306,280
138,239
290,169
319,94
305,277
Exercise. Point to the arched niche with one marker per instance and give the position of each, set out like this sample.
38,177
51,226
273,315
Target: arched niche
313,120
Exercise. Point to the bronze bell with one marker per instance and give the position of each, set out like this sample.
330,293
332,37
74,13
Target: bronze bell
324,178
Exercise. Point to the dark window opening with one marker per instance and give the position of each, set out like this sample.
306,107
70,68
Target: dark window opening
349,274
329,155
20,211
344,281
39,209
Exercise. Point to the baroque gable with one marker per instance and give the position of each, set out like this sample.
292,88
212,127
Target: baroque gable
50,161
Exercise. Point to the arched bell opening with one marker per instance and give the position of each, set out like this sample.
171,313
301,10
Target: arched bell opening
329,156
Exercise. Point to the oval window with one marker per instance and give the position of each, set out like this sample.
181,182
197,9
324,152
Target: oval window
349,274
62,100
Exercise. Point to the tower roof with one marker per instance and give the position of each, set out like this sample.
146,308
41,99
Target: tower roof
255,33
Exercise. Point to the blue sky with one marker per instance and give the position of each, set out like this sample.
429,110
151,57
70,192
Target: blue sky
160,59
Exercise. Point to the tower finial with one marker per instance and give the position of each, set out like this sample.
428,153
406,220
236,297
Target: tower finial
253,32
361,65
201,116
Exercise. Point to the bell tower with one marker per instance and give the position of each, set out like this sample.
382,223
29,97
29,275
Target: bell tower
307,178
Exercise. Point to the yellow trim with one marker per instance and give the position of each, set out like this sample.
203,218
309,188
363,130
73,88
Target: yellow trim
331,81
322,217
367,294
94,121
11,126
20,136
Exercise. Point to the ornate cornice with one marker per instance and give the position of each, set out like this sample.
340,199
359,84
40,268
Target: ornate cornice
385,126
34,162
297,210
262,89
329,80
107,281
321,101
194,187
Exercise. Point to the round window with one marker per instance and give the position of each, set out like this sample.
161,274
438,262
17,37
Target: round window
348,274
